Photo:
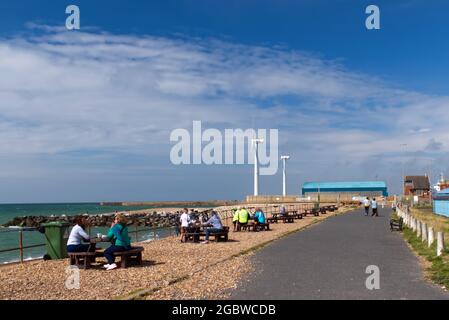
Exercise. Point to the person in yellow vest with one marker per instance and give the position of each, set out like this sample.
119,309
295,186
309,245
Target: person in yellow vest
243,217
235,218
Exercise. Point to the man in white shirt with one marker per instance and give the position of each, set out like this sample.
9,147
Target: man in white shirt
185,222
366,204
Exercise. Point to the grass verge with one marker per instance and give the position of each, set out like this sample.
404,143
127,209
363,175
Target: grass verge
438,267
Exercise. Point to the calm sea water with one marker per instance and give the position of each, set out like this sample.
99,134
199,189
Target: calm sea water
9,238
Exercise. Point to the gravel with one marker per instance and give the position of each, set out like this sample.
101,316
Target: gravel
209,271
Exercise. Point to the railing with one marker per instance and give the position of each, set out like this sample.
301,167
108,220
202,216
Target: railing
226,216
21,248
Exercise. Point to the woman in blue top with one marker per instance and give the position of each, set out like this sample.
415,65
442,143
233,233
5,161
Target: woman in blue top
120,240
259,217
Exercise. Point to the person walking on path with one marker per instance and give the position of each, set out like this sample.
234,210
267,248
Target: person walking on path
374,207
366,204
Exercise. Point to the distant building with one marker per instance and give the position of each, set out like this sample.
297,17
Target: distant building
441,203
441,184
417,186
344,191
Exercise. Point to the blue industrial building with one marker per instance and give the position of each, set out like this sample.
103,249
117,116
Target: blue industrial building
441,203
344,191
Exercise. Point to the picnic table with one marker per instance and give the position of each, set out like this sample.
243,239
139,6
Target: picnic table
256,226
197,231
315,212
85,259
218,236
288,218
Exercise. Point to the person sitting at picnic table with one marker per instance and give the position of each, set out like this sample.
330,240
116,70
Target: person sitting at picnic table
283,212
185,221
235,218
215,226
193,217
259,216
119,239
78,235
243,217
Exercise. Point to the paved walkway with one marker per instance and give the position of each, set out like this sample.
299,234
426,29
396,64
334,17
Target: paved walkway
329,260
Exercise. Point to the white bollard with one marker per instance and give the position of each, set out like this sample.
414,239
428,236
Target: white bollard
430,236
423,232
440,243
418,228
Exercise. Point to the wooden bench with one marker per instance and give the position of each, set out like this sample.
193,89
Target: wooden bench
248,227
191,237
396,224
323,210
295,214
287,219
263,227
313,211
134,255
272,220
218,236
256,227
82,260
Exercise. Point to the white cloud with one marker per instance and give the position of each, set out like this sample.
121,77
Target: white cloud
82,91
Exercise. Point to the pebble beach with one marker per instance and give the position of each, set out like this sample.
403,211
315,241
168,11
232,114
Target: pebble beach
171,270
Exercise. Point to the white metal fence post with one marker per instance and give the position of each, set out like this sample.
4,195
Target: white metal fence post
440,243
430,237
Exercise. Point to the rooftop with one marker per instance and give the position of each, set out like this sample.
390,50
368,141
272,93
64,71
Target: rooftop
419,182
345,185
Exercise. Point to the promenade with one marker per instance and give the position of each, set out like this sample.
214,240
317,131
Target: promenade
171,270
329,260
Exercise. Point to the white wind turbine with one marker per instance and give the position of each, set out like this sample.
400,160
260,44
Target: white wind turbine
284,175
256,165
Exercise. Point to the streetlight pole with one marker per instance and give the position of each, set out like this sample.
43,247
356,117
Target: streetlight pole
256,165
284,175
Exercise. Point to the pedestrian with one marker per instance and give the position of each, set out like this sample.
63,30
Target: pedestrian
185,222
374,206
366,204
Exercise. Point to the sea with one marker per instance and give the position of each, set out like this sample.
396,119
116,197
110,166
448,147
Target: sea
9,237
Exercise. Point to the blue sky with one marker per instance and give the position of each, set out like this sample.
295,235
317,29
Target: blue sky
91,110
